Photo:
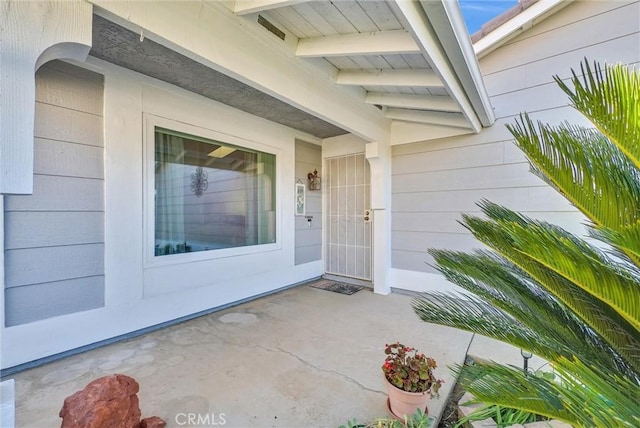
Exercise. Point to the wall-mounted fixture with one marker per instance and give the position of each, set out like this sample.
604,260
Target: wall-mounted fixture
314,180
300,197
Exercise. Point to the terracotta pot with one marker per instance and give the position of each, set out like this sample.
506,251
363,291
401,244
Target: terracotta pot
403,403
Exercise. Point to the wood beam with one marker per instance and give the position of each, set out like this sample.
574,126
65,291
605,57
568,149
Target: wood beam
377,43
409,77
245,7
432,117
421,28
420,102
279,74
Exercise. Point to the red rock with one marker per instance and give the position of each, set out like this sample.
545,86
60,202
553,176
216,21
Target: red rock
153,422
107,402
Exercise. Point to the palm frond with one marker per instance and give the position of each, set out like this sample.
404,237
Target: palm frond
601,318
626,238
572,258
505,286
612,401
585,167
474,315
610,97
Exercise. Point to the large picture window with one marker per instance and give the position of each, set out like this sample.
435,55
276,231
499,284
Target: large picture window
211,195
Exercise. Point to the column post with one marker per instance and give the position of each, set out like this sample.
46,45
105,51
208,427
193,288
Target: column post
379,157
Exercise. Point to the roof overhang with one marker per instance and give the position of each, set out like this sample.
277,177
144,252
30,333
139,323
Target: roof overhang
513,22
392,71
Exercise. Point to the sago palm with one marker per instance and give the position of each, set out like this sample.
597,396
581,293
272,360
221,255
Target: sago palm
574,301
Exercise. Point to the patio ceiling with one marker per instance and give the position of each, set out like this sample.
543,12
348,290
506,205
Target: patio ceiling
408,58
393,71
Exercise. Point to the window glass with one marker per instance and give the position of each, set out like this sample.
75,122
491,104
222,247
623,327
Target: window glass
211,195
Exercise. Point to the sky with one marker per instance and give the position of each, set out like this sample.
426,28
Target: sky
477,12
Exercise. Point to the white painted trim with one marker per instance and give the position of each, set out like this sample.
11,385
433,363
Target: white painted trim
420,102
485,111
245,7
401,77
135,297
379,157
425,36
518,24
342,145
151,121
233,45
411,132
31,34
432,117
378,43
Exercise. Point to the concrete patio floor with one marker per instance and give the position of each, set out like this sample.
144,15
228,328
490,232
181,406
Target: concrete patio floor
303,357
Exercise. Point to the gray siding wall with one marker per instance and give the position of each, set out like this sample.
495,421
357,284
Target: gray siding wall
435,182
309,239
54,238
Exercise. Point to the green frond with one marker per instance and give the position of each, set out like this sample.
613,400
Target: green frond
612,401
572,302
574,259
585,167
621,395
626,238
508,288
508,386
473,315
604,320
610,98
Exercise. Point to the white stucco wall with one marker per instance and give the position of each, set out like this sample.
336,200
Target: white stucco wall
435,182
141,291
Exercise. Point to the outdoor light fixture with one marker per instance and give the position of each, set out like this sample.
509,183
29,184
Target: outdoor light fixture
314,180
525,356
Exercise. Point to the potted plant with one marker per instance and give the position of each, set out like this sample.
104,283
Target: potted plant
409,378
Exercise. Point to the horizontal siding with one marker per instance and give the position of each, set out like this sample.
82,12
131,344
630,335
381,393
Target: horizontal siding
54,238
308,240
622,50
39,301
483,177
61,124
68,159
435,182
53,264
69,91
50,229
450,158
579,26
528,199
306,254
54,193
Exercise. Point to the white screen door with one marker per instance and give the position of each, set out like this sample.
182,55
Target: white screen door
348,235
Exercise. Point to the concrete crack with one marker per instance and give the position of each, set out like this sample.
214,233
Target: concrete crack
307,363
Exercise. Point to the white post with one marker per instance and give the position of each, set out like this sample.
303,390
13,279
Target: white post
379,157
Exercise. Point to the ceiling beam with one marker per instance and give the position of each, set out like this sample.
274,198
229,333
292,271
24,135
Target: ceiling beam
403,77
432,117
377,43
245,7
415,16
420,102
281,75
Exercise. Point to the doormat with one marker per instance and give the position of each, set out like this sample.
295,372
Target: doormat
337,287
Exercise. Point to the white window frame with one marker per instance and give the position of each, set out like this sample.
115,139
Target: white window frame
150,123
